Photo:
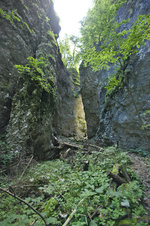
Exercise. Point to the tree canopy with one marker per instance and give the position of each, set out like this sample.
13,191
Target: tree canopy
70,51
106,41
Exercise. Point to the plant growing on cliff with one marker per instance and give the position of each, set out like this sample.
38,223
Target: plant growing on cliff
13,17
108,43
105,41
52,36
36,70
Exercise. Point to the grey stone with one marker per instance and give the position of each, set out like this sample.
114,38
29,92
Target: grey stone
121,118
29,116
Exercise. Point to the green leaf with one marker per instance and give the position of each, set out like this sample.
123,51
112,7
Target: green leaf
100,190
125,203
92,223
52,220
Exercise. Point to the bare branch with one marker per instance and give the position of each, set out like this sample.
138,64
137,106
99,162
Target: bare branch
21,200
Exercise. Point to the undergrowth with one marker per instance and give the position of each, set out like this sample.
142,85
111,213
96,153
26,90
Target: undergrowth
6,156
79,187
36,70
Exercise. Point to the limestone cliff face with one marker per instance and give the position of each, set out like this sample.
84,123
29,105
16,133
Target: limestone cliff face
28,113
27,29
69,118
122,118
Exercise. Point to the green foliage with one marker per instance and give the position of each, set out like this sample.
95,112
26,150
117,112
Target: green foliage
5,155
143,153
47,19
63,184
69,48
23,3
104,42
51,34
14,213
147,112
114,83
11,16
146,125
27,27
51,207
36,70
107,43
76,79
6,207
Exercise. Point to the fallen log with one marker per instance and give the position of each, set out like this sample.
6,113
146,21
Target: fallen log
125,173
119,180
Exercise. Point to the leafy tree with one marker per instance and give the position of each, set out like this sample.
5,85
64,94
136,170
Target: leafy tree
69,48
105,41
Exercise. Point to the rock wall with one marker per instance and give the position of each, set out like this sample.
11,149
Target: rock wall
122,118
29,115
69,117
27,29
89,92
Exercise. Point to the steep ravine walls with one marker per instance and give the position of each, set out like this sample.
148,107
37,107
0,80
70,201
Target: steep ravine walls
29,115
121,118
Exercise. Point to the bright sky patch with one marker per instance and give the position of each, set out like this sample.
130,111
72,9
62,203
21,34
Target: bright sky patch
71,12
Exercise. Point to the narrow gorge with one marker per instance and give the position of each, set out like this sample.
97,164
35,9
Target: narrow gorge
45,116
